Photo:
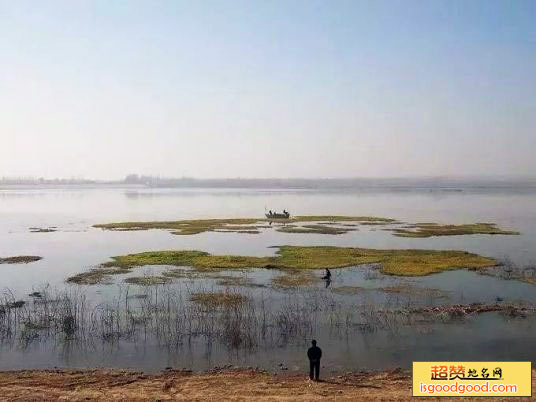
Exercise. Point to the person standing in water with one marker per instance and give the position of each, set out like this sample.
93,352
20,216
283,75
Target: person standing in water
327,277
314,354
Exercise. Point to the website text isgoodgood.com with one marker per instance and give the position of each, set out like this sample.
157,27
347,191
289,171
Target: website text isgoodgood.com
465,389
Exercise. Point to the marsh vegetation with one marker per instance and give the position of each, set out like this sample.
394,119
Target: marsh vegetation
392,262
187,227
315,224
507,269
252,225
237,318
21,259
422,230
147,280
294,279
96,276
43,230
315,229
218,299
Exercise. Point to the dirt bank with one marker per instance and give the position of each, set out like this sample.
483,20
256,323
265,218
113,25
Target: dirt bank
218,385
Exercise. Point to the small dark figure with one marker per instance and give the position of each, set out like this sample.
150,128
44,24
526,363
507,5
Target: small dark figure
270,212
314,354
328,275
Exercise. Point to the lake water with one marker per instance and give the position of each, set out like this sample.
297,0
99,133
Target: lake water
76,246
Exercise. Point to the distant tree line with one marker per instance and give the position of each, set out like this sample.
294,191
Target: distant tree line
442,183
42,181
332,183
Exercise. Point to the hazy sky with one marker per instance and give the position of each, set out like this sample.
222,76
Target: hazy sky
99,89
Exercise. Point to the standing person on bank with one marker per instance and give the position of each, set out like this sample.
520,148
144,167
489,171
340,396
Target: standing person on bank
314,354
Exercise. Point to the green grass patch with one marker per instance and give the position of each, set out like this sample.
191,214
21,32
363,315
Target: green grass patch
177,258
295,279
393,262
246,231
374,223
422,230
147,280
340,218
232,262
43,230
182,274
252,226
21,259
97,276
125,263
234,225
314,229
222,280
187,227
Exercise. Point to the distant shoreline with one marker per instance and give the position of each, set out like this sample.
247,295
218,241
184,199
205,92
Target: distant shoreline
359,184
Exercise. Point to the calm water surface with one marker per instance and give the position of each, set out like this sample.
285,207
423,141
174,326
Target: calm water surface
76,246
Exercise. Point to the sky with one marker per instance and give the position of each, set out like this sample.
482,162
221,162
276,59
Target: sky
231,88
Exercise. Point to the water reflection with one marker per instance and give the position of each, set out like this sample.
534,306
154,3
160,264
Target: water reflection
356,316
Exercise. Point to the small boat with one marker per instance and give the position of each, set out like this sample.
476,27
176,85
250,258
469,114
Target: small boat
275,215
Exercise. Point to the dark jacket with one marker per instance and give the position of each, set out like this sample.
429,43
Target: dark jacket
314,353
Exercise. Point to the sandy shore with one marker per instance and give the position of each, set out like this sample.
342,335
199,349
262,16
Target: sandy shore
234,385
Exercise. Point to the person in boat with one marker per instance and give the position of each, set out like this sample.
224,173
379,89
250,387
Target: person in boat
328,275
270,212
